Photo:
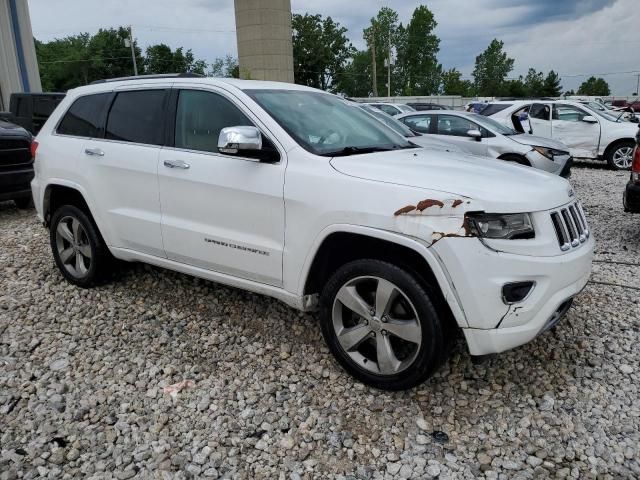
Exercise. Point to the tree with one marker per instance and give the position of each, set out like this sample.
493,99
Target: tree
418,47
516,88
320,50
534,83
452,84
382,32
80,59
161,59
593,86
224,67
552,85
491,70
355,79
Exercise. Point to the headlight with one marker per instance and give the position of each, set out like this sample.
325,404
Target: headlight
550,153
502,226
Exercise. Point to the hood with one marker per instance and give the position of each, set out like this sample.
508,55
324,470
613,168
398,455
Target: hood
428,142
495,185
534,141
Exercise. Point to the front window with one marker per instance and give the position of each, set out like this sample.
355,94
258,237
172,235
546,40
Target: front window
325,124
491,124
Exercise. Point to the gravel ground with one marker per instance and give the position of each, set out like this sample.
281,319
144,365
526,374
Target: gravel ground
82,377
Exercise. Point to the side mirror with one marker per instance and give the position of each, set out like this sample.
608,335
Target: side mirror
589,119
236,139
474,133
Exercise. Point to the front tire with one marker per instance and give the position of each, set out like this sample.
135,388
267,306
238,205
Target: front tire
620,155
77,247
381,326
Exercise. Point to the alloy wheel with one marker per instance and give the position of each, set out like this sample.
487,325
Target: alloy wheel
376,325
73,246
623,157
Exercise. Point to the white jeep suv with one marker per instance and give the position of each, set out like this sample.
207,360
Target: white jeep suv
293,193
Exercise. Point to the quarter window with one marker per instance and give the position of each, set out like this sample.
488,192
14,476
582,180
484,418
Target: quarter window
199,118
137,116
84,118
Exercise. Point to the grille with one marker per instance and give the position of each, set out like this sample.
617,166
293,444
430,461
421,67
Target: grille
14,152
571,226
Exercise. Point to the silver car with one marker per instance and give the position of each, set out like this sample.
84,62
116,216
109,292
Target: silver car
426,141
392,109
484,136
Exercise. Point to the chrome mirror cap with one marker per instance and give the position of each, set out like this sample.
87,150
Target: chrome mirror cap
234,139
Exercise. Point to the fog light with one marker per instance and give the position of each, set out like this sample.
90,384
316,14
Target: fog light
516,292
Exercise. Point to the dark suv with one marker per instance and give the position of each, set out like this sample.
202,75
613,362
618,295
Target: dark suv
16,164
631,197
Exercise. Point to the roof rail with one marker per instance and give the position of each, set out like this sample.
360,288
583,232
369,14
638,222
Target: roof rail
140,77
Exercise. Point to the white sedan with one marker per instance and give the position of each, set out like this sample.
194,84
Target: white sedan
485,137
588,133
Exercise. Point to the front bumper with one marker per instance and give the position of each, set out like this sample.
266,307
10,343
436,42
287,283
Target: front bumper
631,198
477,275
15,184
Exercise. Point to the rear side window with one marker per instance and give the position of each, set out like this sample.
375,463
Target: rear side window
199,118
84,117
137,116
494,108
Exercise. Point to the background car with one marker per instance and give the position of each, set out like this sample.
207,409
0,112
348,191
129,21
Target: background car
588,133
425,141
485,137
16,164
631,197
419,106
392,109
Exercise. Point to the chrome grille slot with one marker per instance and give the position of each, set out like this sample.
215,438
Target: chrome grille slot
570,225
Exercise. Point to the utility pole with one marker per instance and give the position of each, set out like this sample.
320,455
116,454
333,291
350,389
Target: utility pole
133,52
389,66
638,85
372,42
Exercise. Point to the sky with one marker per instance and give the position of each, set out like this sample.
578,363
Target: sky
576,38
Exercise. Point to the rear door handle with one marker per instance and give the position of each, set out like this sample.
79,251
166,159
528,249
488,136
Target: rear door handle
176,164
94,152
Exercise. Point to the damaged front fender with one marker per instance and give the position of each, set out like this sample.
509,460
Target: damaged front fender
432,219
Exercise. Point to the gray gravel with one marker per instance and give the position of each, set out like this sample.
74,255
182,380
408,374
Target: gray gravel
83,372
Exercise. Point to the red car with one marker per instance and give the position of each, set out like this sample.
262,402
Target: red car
631,197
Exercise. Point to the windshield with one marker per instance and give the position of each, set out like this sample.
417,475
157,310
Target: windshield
603,114
325,124
405,108
491,124
389,121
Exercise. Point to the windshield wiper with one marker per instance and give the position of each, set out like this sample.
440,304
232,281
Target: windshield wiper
352,150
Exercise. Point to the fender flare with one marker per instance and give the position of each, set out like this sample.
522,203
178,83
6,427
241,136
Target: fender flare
422,248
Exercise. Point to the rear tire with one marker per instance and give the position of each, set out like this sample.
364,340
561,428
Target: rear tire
78,248
381,325
620,155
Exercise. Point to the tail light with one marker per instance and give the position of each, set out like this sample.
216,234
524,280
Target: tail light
635,166
33,148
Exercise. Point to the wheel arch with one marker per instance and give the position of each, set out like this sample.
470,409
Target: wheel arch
62,192
341,244
515,157
615,143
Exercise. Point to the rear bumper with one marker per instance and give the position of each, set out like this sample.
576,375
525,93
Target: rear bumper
15,184
631,197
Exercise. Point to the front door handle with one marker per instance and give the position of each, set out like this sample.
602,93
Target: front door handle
94,152
176,164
